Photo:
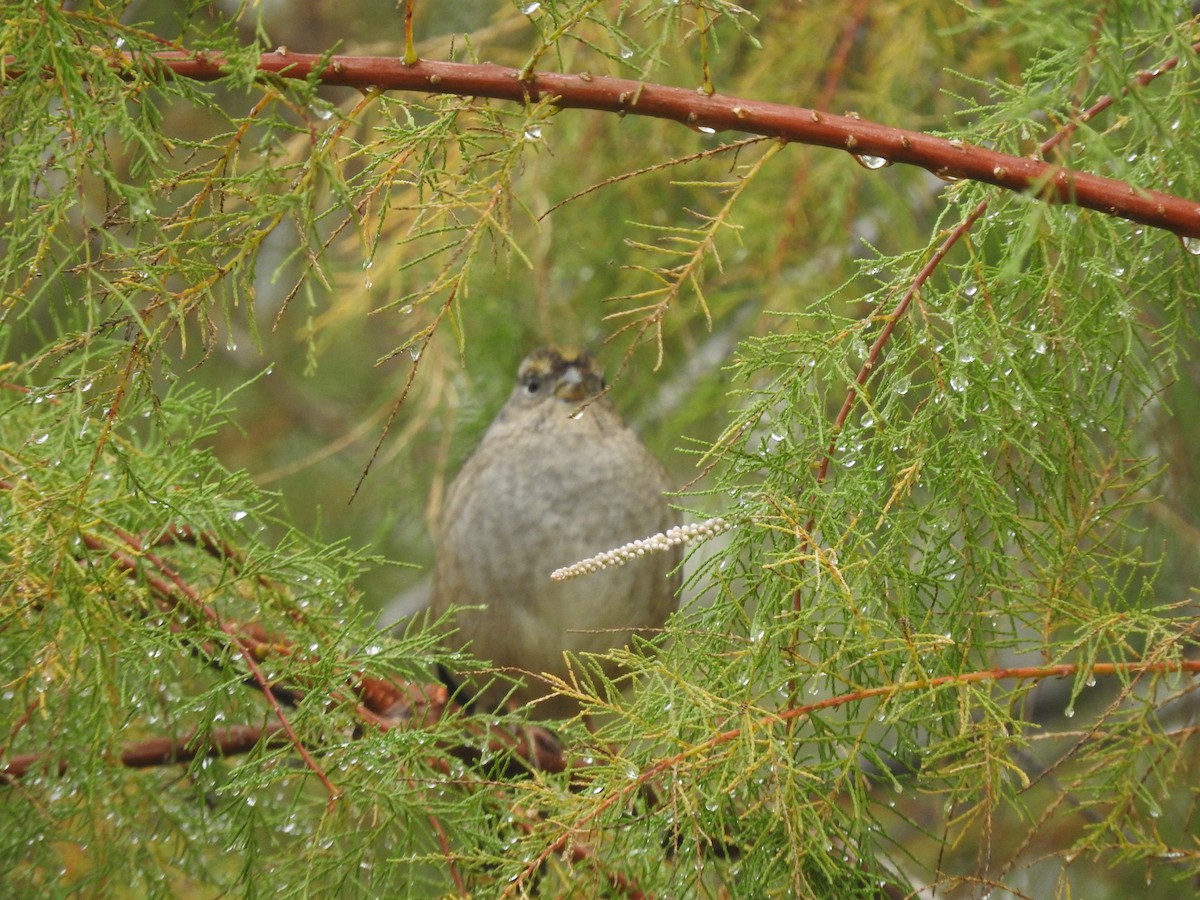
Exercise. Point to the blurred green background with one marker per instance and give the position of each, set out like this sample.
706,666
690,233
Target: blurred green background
308,428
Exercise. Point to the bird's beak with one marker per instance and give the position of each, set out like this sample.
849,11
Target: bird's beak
572,386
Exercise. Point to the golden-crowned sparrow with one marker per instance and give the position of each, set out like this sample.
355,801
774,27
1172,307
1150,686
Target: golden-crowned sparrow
558,477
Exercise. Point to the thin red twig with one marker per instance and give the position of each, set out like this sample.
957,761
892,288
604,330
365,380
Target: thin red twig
927,270
175,589
851,29
1022,673
380,702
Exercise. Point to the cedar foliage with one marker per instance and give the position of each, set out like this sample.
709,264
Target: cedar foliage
949,644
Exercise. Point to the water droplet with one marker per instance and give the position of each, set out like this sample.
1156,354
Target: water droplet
530,8
238,515
1069,712
871,162
959,382
625,52
704,129
1192,245
902,385
41,438
533,133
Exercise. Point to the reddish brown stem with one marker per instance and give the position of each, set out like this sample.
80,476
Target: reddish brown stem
949,159
164,751
851,29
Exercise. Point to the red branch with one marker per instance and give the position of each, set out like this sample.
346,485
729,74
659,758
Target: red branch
167,751
949,159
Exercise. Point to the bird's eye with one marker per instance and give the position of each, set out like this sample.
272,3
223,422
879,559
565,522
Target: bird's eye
533,385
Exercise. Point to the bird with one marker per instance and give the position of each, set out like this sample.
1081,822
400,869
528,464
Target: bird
557,477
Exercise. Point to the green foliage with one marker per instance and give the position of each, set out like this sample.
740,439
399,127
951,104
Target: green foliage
213,299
